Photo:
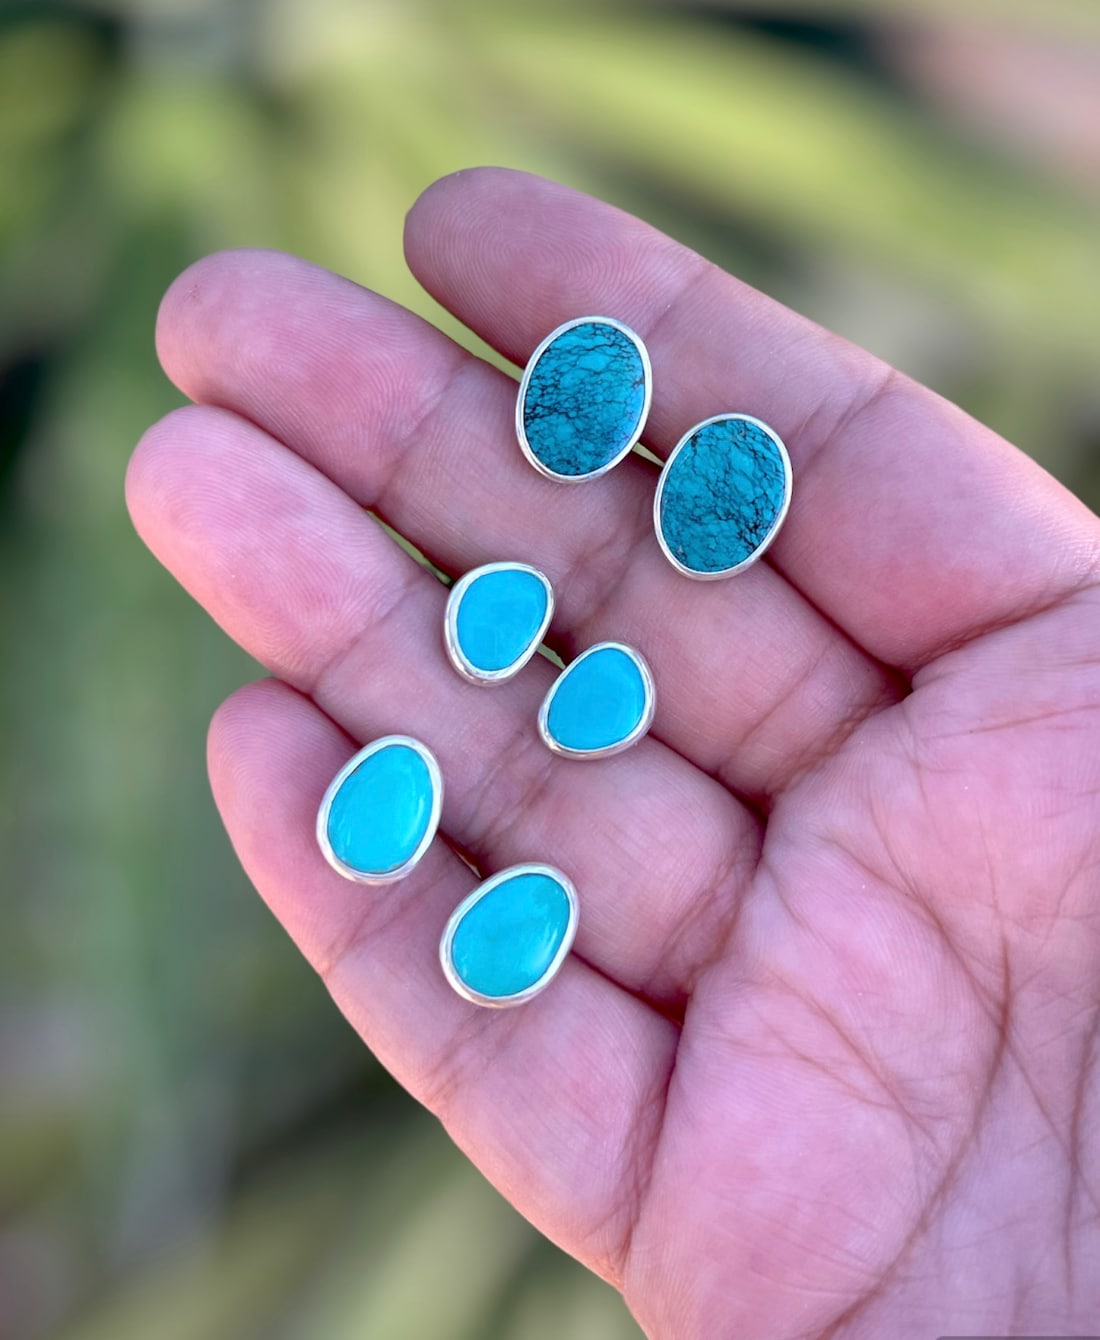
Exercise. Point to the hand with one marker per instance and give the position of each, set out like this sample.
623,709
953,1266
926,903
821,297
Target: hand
824,1061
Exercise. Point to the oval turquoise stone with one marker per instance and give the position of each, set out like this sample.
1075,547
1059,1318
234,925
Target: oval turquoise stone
584,399
508,938
723,492
381,811
597,702
500,618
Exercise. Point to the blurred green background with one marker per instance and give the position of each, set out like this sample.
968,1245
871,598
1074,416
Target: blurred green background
193,1146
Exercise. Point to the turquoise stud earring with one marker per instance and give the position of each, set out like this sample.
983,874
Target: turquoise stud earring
600,704
584,399
505,942
381,811
722,496
496,617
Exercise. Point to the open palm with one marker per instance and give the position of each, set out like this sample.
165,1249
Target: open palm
824,1060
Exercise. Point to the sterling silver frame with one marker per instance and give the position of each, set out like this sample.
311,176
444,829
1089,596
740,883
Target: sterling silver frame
521,396
635,735
436,777
504,1002
781,515
450,625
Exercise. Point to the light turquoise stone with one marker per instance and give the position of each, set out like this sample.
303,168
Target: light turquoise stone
499,618
508,938
598,701
585,399
382,810
723,491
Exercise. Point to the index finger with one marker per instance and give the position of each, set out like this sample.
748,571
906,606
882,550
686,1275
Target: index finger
912,527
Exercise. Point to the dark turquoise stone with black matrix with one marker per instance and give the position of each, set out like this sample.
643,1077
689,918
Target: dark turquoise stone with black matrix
723,493
584,400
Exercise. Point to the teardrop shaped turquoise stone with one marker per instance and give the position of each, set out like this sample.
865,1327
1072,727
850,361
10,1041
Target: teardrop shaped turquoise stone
510,934
381,811
598,702
584,399
500,618
722,495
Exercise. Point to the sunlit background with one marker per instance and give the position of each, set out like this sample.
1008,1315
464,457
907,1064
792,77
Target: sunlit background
193,1146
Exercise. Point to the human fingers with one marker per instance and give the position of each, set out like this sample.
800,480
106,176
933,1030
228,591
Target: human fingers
753,683
301,577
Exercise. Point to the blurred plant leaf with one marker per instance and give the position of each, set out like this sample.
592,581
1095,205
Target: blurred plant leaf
553,1303
1052,16
199,149
754,128
439,1270
51,77
237,1284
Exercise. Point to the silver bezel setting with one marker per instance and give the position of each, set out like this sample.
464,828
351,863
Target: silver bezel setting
505,1002
436,778
780,517
465,668
635,735
521,396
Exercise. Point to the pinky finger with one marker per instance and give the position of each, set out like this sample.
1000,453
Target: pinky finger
559,1102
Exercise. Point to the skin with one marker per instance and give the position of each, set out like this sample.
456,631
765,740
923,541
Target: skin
824,1060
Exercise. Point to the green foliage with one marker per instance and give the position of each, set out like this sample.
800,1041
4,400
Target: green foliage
193,1144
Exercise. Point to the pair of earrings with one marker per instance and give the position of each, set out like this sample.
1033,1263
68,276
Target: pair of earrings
724,490
496,618
505,941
